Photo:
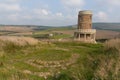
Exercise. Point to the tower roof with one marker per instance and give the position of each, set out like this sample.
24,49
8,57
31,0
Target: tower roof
85,12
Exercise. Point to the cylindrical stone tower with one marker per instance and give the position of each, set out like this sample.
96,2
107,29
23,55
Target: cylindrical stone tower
85,20
84,31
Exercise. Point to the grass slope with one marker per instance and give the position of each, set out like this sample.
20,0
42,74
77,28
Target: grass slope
59,61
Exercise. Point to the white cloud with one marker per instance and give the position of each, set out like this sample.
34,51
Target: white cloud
11,0
45,12
23,11
42,12
27,17
109,3
73,3
13,17
10,7
101,16
59,14
113,2
72,7
15,12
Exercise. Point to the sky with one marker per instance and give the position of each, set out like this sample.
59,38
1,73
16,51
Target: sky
56,12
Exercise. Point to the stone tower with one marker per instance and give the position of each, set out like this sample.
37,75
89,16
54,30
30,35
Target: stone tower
84,32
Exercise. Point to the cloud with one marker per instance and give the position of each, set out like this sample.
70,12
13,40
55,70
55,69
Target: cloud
108,10
11,1
101,16
73,3
114,2
59,14
109,3
45,12
41,11
10,7
72,7
13,17
15,12
47,17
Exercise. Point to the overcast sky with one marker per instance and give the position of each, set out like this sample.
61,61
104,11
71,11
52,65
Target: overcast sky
56,12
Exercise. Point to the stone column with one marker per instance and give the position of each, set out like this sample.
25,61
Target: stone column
91,36
74,35
79,36
94,36
85,37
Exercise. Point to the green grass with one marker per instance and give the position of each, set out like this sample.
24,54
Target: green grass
45,34
62,36
24,66
87,66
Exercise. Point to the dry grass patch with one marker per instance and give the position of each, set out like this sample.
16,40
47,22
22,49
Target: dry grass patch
114,43
16,29
21,41
109,68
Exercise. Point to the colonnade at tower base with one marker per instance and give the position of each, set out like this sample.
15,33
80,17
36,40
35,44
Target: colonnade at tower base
85,35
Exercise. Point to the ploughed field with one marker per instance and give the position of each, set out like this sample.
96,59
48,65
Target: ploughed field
25,58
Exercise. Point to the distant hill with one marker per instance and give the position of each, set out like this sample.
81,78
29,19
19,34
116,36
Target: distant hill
101,26
107,26
98,26
34,27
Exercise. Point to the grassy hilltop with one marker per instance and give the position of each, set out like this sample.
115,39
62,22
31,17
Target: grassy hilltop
24,58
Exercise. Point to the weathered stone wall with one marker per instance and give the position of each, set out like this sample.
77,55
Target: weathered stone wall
84,21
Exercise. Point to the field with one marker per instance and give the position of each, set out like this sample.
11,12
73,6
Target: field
16,30
24,58
104,31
